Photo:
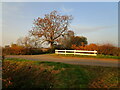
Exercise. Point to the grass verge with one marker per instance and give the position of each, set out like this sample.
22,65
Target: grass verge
21,73
83,56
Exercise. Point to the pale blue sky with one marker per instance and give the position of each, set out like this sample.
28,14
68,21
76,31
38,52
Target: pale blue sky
98,21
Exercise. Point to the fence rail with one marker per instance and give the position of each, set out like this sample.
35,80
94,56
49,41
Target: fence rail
76,52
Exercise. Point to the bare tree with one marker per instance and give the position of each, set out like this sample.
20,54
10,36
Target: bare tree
29,42
24,41
51,27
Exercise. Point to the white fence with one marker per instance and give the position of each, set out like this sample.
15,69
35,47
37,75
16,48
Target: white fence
76,52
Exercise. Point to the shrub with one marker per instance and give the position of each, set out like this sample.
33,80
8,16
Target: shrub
26,75
51,50
21,51
106,49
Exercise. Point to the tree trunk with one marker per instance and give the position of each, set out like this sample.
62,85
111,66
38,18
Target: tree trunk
51,45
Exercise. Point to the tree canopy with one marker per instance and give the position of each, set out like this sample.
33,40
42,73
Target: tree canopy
79,40
70,40
50,28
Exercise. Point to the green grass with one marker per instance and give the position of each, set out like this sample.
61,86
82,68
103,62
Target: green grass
23,73
84,56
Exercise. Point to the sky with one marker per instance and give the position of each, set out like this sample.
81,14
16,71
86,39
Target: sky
98,21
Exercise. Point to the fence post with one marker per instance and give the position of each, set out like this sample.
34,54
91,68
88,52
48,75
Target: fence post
65,51
94,52
56,52
74,52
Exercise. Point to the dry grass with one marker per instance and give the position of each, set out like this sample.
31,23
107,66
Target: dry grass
35,74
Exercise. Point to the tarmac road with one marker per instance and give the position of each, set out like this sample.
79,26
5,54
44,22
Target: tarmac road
70,60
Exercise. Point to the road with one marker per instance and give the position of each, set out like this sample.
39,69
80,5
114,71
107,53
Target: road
70,60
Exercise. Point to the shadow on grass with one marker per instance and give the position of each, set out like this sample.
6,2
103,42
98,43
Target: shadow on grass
21,73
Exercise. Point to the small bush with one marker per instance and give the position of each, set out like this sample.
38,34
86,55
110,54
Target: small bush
26,75
22,51
105,49
51,50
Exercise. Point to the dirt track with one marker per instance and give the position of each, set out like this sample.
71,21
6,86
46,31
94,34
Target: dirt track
70,60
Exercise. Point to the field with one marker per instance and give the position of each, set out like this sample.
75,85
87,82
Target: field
21,73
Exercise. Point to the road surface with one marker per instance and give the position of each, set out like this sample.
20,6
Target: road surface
70,60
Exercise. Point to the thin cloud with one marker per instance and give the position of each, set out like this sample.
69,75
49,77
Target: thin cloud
85,29
66,10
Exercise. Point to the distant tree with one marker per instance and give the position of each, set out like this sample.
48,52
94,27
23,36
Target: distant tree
28,42
65,41
24,41
7,46
79,41
70,40
50,28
